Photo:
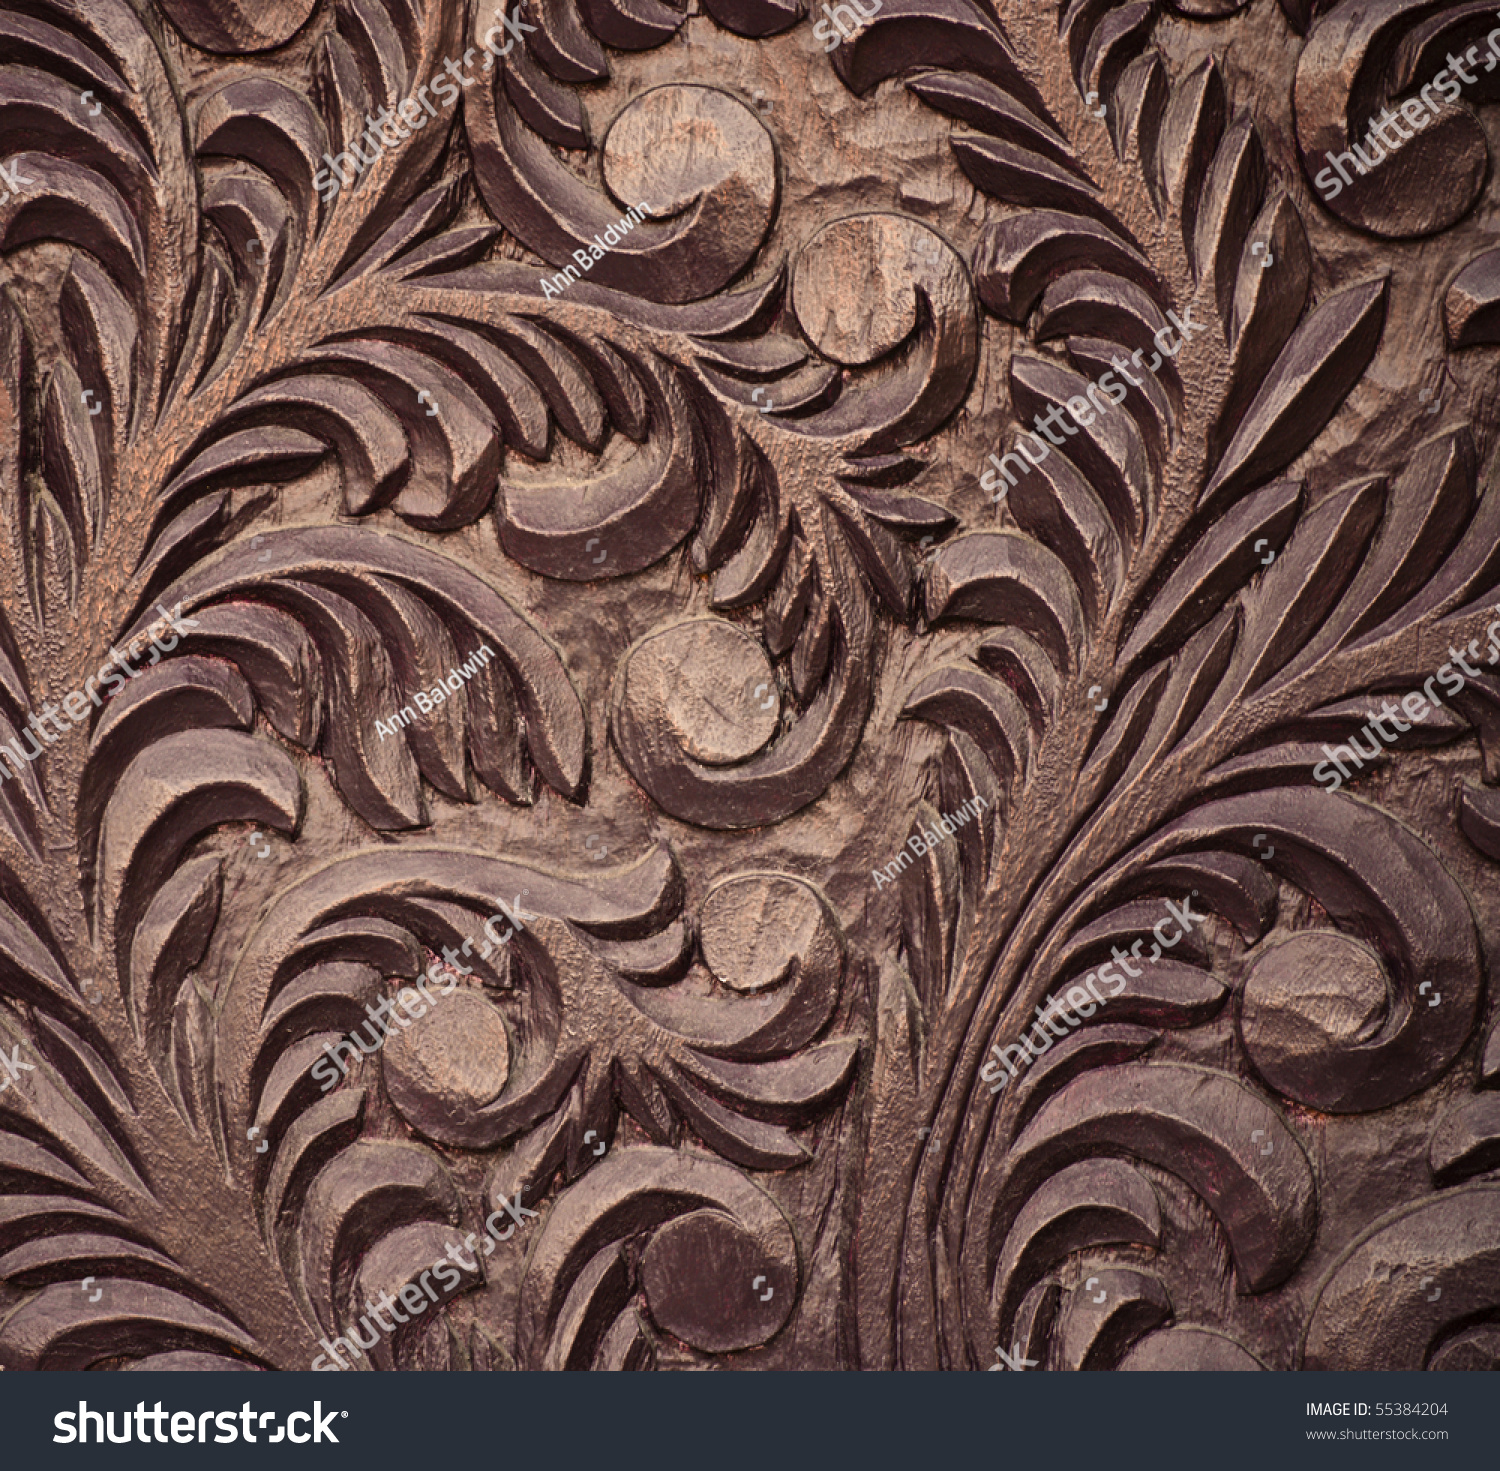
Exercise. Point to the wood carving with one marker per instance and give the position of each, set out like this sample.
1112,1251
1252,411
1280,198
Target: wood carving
614,468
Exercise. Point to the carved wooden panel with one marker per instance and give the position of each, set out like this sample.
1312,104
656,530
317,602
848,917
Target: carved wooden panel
557,742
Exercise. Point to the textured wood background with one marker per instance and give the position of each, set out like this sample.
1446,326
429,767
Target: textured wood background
717,510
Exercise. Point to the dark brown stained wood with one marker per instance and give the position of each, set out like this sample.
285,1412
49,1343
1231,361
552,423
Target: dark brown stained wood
570,694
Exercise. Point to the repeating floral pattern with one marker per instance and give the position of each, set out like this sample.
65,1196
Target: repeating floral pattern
714,511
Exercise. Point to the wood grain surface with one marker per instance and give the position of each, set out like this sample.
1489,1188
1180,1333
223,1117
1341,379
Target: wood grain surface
673,582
